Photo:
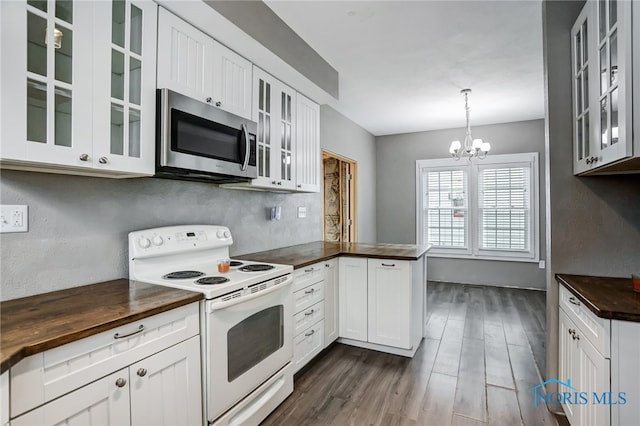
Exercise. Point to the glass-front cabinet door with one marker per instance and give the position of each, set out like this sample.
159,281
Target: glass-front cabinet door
613,87
124,107
46,58
601,45
274,111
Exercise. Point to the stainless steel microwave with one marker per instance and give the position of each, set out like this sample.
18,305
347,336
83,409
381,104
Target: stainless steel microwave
197,141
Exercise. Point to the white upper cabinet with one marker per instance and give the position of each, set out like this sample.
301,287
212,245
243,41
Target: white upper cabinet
231,81
78,86
195,65
308,157
602,82
124,109
273,110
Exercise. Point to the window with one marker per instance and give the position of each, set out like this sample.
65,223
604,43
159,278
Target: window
484,209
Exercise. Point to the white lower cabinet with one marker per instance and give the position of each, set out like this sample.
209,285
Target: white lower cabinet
142,373
309,314
389,303
353,297
102,402
598,358
382,303
331,302
4,398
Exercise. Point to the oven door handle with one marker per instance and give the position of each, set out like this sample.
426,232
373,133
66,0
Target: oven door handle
247,142
216,306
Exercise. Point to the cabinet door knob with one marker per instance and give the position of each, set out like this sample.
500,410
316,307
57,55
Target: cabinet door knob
103,160
273,182
84,157
141,372
208,100
121,382
279,183
326,265
576,336
218,104
299,185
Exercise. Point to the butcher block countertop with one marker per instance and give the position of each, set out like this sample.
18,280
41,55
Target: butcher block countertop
306,254
34,324
609,298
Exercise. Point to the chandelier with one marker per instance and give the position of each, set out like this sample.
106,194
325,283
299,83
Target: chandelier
472,147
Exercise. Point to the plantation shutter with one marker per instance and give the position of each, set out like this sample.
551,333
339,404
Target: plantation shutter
504,206
445,207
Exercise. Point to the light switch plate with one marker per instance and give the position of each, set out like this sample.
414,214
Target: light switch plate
14,218
302,212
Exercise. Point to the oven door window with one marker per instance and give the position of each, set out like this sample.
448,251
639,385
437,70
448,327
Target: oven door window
253,340
194,135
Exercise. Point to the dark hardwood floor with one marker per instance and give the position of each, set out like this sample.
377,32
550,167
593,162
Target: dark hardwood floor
484,351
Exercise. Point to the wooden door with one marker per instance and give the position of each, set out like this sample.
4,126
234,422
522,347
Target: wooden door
339,202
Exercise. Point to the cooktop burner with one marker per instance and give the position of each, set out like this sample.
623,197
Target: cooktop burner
258,267
235,263
212,280
181,275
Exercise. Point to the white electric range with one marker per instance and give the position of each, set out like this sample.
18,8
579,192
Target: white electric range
246,316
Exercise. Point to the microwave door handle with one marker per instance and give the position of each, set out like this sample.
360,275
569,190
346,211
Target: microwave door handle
246,148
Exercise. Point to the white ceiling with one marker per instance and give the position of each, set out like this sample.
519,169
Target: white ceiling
402,64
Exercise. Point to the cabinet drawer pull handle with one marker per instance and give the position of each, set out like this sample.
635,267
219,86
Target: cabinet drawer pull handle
326,265
310,291
103,160
309,270
572,331
121,382
310,333
389,265
141,372
122,336
218,104
208,100
306,314
576,336
574,301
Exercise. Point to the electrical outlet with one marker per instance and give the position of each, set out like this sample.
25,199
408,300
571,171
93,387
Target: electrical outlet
302,212
541,265
14,218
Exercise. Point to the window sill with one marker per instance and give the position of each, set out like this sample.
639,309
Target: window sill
431,253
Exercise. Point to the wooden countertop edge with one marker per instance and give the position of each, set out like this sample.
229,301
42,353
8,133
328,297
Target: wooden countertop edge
341,254
9,360
601,313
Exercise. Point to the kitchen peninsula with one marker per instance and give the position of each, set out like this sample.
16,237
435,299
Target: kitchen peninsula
368,295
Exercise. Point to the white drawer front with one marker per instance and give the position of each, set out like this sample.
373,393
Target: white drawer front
308,296
308,275
307,344
306,318
597,330
45,376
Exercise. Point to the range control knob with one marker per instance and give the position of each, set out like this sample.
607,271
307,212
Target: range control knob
157,240
144,242
227,234
220,235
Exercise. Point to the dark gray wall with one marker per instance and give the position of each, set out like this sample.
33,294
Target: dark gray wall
594,221
78,225
260,22
396,157
342,136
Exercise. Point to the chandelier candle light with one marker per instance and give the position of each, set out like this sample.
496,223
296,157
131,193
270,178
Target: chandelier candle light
472,147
